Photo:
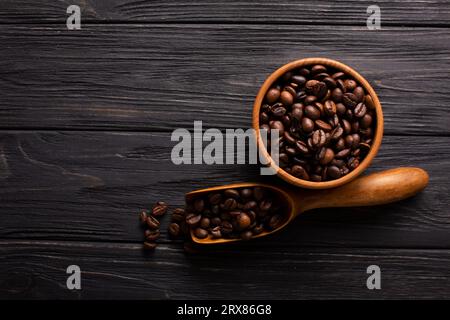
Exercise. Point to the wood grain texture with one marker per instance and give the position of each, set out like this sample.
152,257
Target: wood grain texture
123,271
90,186
161,77
393,12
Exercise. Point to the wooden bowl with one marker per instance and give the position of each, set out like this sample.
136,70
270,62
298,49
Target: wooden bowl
378,135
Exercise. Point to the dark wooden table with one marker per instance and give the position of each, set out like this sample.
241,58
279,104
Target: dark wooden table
86,118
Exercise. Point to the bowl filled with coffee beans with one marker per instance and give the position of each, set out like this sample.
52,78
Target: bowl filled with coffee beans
328,119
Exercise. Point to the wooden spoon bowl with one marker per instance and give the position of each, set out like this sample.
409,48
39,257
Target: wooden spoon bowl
378,134
374,189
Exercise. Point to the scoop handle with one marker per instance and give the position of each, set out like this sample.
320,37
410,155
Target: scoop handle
374,189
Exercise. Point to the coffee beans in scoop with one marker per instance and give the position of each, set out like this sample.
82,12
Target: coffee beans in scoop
235,213
326,121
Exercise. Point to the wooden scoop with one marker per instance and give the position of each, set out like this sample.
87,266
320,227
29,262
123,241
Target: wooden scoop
374,189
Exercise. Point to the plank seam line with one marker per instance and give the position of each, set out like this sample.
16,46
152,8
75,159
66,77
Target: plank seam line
229,23
31,241
137,131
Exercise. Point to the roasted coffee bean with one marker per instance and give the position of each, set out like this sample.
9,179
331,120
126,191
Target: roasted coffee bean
330,82
355,126
178,215
340,144
302,147
230,204
326,156
329,108
288,138
334,172
150,245
277,125
346,125
310,100
265,205
360,110
215,198
353,163
264,117
341,85
342,154
320,124
338,75
312,112
174,229
318,68
341,109
216,232
349,141
152,222
215,209
143,217
307,125
199,205
258,193
226,227
359,93
349,100
152,235
201,233
287,98
272,95
337,94
299,172
205,223
246,193
275,221
258,229
297,111
318,138
279,111
301,95
337,133
284,158
246,235
243,220
350,84
368,101
193,219
291,151
159,209
298,79
250,205
366,121
231,193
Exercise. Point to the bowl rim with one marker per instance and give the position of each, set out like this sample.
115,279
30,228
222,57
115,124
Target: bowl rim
377,138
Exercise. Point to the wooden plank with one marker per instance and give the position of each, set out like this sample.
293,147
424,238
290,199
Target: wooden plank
31,269
393,12
91,185
158,78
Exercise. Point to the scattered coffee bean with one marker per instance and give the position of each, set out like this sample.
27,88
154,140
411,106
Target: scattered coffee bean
159,209
152,235
143,217
174,229
323,115
152,223
149,245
